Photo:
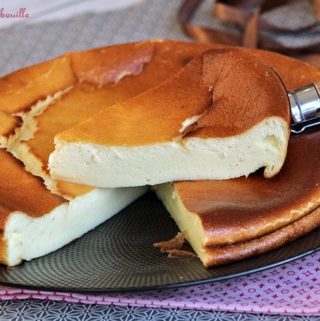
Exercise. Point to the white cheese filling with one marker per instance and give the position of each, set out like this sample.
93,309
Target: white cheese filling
30,237
264,145
188,222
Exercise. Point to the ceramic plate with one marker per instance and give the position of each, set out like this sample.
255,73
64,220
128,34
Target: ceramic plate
119,256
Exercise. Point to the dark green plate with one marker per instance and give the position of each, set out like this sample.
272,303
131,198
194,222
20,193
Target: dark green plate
119,256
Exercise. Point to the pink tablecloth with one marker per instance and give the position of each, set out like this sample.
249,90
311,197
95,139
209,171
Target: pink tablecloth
293,288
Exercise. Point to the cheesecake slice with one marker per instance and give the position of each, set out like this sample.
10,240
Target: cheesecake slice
225,115
229,220
93,80
226,221
35,222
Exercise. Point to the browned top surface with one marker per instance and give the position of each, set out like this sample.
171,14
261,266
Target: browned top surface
21,191
245,91
100,77
23,88
230,88
8,123
87,99
294,73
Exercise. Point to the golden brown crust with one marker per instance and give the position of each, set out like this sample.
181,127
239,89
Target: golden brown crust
21,191
72,190
90,65
133,122
244,92
23,88
8,124
269,242
207,86
3,250
97,71
294,73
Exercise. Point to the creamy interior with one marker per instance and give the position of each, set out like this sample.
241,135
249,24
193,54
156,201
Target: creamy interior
264,145
188,222
30,237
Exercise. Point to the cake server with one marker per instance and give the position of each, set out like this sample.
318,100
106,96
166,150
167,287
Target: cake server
305,107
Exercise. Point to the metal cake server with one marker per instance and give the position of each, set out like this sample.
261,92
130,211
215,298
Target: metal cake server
305,107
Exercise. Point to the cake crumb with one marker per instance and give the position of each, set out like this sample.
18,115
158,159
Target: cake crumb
173,246
175,243
174,253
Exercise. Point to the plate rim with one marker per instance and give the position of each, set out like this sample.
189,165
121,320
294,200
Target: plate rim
181,284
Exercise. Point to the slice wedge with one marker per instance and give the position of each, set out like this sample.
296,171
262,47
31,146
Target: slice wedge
225,115
35,222
225,221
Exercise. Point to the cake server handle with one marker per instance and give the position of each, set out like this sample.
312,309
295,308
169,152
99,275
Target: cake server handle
305,107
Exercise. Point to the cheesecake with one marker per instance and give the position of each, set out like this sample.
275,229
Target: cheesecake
35,222
39,101
224,115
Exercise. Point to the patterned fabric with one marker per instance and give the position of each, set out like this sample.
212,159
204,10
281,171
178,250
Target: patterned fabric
64,311
293,288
